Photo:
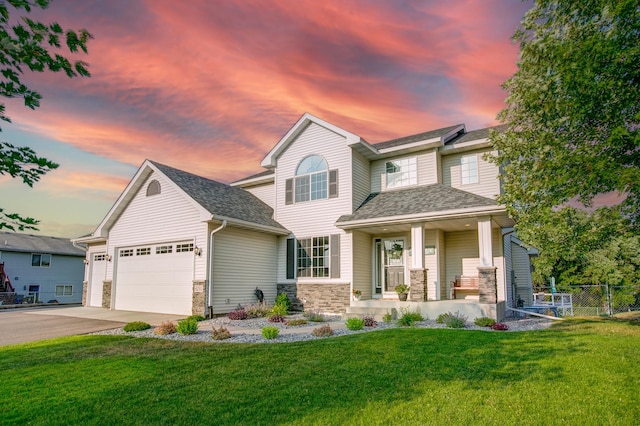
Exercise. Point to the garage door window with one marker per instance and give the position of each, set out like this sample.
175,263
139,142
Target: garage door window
164,249
180,248
126,253
146,251
100,257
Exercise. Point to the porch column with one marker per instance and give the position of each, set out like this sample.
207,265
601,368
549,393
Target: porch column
484,241
487,288
417,271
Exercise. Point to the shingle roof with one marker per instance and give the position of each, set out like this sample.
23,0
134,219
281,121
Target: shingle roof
415,138
416,200
221,199
10,241
474,135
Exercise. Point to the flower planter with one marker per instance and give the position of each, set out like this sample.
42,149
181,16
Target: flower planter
402,297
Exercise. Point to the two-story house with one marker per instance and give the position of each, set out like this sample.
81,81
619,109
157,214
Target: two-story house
331,214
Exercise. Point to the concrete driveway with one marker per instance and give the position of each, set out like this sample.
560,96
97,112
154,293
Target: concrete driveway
38,323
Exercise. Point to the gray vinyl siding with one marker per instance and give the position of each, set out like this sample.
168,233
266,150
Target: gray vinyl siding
522,269
63,270
316,217
265,192
488,184
508,262
362,263
243,260
167,217
361,179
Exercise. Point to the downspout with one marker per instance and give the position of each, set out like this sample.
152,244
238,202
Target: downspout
210,280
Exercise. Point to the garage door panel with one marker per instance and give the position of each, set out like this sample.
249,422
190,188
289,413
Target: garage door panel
155,283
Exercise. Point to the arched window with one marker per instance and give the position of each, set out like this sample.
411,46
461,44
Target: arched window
311,179
153,188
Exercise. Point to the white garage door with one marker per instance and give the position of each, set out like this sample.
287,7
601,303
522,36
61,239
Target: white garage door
155,278
98,266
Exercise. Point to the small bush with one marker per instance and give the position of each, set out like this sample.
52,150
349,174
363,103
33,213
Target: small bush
187,326
220,333
354,323
408,319
387,318
442,318
136,326
165,328
484,322
279,310
295,322
238,314
369,321
257,310
499,326
314,316
455,322
270,332
198,318
276,318
283,300
323,331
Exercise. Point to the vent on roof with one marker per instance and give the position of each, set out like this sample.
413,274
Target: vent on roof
153,188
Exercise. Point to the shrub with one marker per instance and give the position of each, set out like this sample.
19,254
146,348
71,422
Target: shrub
354,323
279,310
387,318
408,319
295,322
484,322
257,310
187,326
276,318
165,328
198,318
238,314
270,332
314,316
499,326
136,326
323,331
283,299
442,318
220,333
369,321
456,320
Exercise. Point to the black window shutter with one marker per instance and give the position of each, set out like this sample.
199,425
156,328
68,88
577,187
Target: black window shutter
333,183
288,191
334,246
291,258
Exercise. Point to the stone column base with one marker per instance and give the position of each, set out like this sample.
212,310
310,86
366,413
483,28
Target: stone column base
84,293
487,284
106,294
418,283
198,298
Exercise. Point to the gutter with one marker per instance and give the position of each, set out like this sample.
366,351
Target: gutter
210,281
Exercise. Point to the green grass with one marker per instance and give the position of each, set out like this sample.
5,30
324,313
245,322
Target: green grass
579,372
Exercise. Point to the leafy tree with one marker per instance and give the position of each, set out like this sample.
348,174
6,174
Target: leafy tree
26,44
572,131
572,115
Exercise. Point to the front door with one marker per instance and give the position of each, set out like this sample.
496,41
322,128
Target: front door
390,265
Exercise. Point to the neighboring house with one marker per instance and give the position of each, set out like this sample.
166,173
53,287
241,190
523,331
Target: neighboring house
331,214
36,268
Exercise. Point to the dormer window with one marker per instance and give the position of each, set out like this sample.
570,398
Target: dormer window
402,172
153,188
313,181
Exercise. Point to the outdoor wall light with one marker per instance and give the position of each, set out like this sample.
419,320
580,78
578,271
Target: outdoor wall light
108,257
85,261
197,251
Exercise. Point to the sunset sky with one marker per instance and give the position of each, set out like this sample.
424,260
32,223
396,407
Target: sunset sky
210,86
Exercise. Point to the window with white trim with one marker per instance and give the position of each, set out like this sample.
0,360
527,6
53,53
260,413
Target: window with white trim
181,248
313,257
41,260
402,172
313,181
468,169
64,290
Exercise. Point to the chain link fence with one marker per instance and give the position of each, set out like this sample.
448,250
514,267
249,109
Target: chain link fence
598,299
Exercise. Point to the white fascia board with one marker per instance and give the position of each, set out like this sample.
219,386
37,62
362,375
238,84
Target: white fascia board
249,225
465,146
402,219
424,144
254,181
269,160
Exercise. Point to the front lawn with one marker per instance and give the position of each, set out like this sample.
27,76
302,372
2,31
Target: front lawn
577,372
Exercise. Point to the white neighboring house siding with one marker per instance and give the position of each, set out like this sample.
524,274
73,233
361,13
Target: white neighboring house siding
488,183
265,192
243,260
166,217
316,217
426,163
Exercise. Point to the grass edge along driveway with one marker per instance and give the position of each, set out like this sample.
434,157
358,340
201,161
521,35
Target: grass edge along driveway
580,371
